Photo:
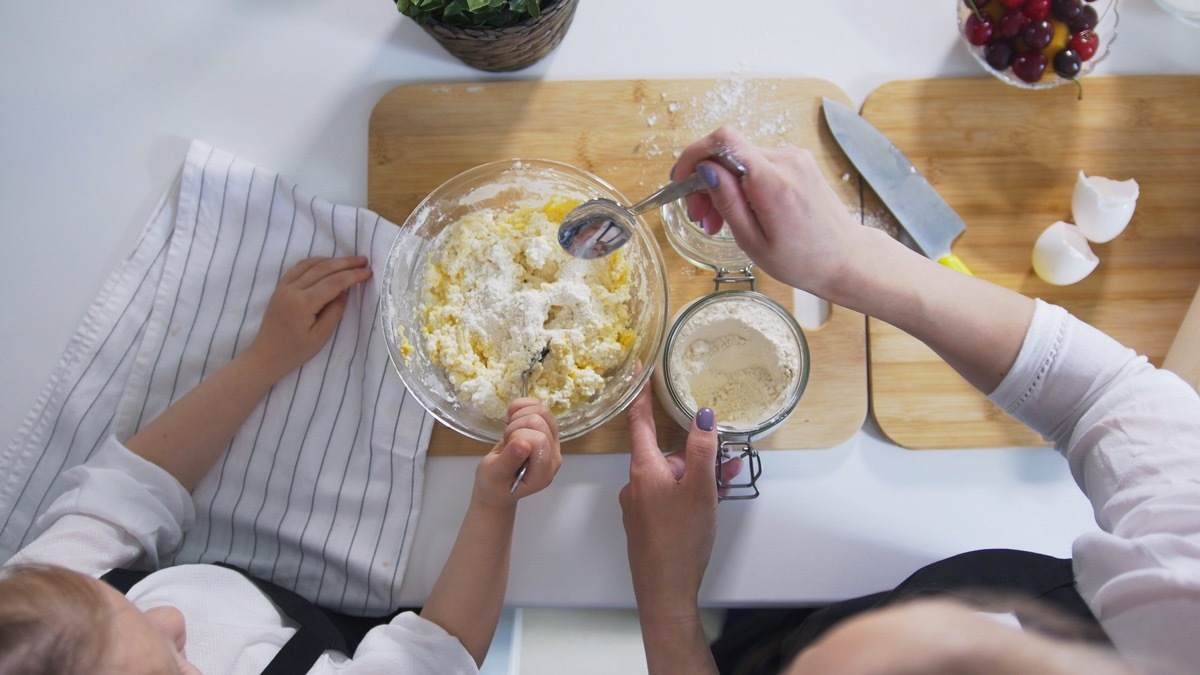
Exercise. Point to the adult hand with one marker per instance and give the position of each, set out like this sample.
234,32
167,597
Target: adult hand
786,217
670,513
304,310
782,213
670,516
530,436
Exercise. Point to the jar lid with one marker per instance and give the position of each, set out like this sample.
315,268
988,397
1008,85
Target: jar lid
718,252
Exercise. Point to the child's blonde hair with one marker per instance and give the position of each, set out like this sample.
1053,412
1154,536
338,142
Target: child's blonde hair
52,620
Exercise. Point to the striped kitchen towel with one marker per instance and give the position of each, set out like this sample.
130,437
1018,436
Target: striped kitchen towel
319,491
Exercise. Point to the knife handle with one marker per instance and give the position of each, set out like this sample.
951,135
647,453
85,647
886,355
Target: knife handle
953,262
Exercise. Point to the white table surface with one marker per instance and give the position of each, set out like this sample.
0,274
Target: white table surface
100,100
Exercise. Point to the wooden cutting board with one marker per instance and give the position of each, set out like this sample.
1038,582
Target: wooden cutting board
627,132
1007,161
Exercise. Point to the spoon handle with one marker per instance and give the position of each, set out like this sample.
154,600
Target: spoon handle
668,194
687,186
520,476
525,392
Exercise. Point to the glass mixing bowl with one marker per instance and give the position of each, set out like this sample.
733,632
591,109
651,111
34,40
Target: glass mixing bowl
503,185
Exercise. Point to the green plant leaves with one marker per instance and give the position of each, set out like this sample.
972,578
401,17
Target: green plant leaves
472,13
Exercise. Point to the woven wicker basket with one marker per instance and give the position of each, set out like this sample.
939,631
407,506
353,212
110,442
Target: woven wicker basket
511,48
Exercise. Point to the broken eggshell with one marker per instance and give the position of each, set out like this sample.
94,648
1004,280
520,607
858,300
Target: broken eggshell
1102,207
1062,256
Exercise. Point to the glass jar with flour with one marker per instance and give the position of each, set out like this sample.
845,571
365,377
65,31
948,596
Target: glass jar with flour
738,352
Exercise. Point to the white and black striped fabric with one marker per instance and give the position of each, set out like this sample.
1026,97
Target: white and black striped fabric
320,490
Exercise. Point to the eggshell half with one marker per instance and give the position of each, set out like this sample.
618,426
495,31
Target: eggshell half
1062,256
1102,206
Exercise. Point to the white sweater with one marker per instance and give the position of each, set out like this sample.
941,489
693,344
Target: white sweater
1131,435
122,511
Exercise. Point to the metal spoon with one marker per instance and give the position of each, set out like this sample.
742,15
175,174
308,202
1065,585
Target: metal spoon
525,392
598,227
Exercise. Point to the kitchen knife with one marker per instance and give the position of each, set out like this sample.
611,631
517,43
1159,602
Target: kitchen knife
927,218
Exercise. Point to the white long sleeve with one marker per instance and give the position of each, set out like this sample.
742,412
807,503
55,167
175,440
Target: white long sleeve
121,511
118,510
1131,435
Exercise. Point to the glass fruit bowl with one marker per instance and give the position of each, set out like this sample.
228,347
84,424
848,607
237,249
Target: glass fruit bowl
490,191
1006,53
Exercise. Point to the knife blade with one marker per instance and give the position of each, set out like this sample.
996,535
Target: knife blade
927,218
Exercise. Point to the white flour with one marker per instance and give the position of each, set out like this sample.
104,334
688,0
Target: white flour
747,104
736,357
499,289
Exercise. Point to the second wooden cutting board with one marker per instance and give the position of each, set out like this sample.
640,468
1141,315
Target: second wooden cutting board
627,132
1007,161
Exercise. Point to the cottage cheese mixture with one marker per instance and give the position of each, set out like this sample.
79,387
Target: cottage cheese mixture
738,358
499,288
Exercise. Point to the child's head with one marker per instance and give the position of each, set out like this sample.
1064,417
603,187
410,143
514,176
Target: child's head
52,620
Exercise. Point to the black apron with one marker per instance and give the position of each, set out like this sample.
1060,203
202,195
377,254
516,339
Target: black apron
756,641
320,629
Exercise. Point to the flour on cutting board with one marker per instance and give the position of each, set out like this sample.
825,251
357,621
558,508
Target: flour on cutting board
739,102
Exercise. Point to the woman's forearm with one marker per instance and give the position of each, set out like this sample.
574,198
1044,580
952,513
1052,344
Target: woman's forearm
468,596
974,325
676,645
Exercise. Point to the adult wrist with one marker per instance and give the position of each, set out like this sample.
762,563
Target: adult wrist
846,277
670,608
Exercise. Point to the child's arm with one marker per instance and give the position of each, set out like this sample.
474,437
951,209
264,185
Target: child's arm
467,598
189,436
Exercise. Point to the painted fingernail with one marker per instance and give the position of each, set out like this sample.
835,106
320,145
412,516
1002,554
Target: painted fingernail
708,175
705,419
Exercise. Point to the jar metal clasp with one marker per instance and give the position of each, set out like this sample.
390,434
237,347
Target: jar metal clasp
727,277
734,446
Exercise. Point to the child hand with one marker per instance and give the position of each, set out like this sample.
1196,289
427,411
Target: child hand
531,436
303,312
